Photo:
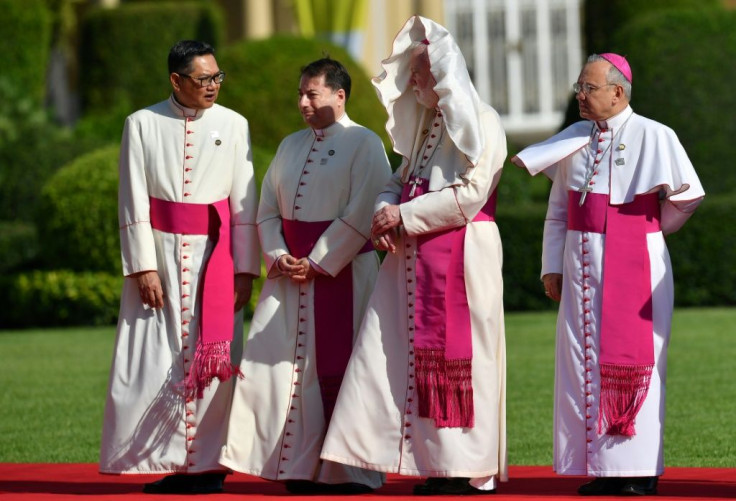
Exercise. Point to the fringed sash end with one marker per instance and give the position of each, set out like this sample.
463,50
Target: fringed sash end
211,361
623,391
444,389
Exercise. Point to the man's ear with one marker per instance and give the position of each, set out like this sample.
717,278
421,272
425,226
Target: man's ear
175,80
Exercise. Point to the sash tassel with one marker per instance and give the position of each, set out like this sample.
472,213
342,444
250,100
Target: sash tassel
211,360
444,388
623,390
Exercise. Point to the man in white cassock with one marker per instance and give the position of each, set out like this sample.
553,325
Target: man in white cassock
187,210
314,224
425,390
621,182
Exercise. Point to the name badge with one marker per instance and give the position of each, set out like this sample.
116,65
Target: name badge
620,161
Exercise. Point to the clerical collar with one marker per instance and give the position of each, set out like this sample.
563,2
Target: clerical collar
182,110
333,128
615,121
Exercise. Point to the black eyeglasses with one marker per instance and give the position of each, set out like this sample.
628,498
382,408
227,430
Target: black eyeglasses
207,81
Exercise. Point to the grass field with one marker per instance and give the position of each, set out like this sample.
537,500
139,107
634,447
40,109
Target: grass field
53,390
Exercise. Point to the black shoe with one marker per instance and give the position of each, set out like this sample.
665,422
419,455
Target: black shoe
602,486
305,487
171,484
458,486
639,486
208,483
205,483
348,488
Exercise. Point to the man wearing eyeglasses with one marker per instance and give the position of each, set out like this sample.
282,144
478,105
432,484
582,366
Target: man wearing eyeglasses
620,183
187,209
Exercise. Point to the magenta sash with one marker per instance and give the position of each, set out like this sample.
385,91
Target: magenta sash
333,310
626,330
443,334
212,356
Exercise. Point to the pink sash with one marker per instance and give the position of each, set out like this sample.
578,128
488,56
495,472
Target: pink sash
626,331
333,310
212,356
443,334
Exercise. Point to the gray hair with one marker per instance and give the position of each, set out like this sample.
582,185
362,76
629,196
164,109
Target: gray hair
614,75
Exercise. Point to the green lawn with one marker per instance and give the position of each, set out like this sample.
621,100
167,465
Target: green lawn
53,390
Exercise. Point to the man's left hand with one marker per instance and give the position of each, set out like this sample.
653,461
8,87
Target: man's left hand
243,289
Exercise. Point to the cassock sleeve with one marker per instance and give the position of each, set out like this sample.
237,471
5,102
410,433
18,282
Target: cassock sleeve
136,236
269,218
244,206
555,224
342,240
457,205
391,194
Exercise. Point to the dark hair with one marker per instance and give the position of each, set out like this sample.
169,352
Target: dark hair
336,76
183,51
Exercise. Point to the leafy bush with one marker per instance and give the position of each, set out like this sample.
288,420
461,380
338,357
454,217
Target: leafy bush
19,245
703,253
521,230
263,80
59,298
78,218
124,50
28,161
26,34
602,20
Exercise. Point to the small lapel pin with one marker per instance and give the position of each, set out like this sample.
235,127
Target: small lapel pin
621,146
218,142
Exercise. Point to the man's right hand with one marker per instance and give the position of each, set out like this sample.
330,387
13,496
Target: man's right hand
149,287
553,286
295,269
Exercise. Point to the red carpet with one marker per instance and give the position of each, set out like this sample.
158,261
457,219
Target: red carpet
59,482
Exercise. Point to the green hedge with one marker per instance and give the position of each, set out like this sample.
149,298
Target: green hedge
25,43
123,51
19,245
602,20
27,162
59,298
78,215
263,82
521,230
703,253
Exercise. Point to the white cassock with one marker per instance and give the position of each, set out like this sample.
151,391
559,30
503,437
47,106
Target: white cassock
375,424
457,150
277,423
181,155
634,156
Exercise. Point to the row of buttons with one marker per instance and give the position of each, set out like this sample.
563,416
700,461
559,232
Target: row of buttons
588,354
186,305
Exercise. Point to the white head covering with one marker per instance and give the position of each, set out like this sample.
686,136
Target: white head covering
458,99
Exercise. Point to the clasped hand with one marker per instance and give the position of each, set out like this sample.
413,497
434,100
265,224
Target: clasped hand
383,228
298,270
